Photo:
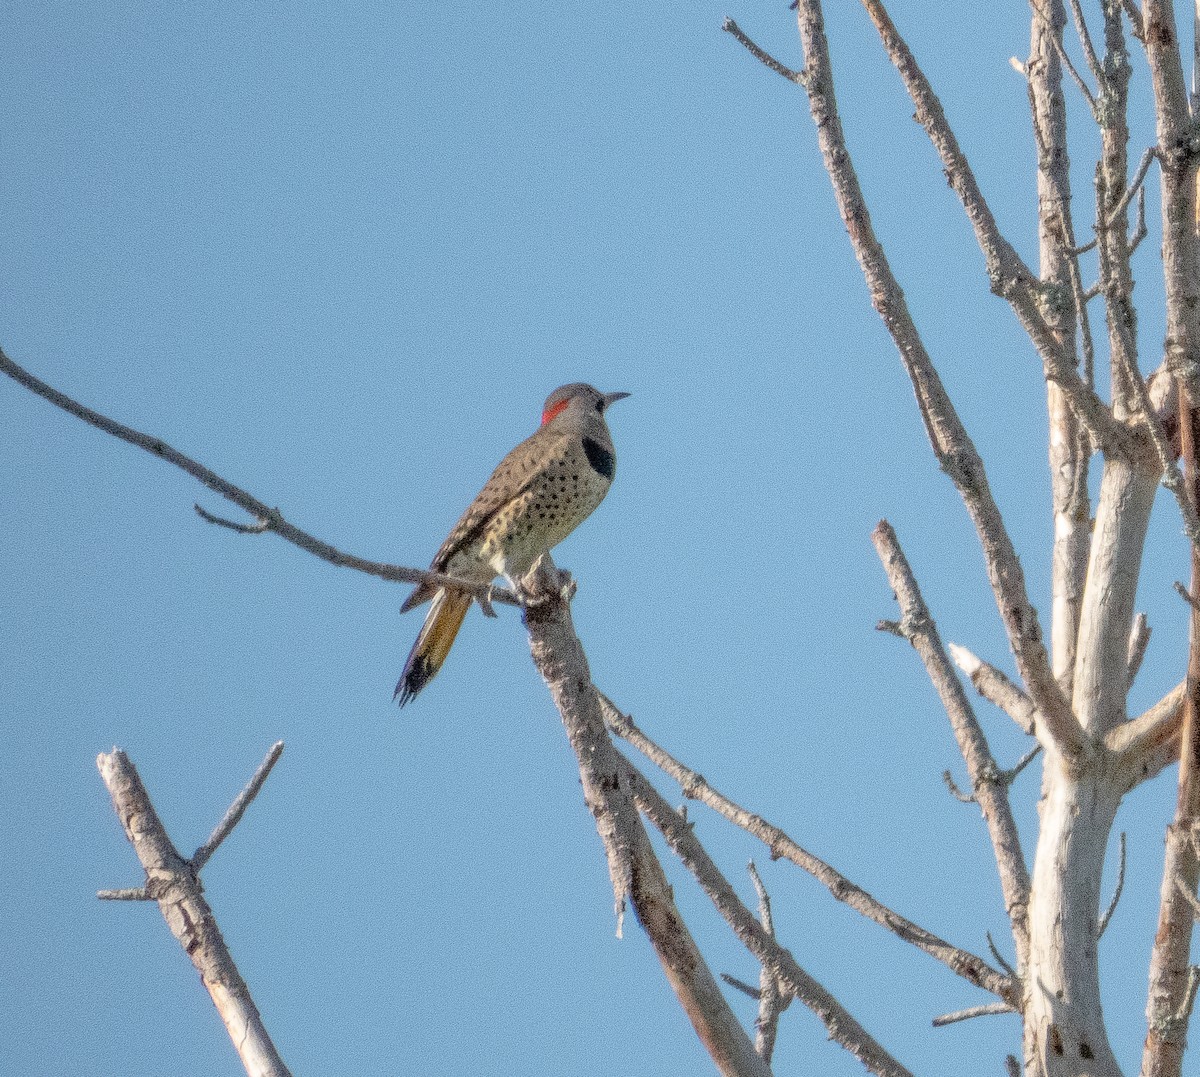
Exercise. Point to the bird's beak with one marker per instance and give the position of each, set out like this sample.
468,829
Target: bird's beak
612,398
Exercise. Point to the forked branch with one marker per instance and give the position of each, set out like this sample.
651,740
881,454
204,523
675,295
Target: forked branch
175,884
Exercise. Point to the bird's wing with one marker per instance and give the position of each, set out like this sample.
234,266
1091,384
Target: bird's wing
512,477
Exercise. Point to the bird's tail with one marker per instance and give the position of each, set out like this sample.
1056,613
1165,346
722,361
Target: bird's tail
437,634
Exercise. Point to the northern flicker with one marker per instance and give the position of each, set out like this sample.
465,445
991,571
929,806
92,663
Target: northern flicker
540,492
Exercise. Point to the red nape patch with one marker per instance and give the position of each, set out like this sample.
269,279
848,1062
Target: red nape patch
549,413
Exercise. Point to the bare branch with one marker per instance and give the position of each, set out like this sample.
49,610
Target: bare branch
237,809
842,1027
954,791
1144,745
1135,186
742,986
953,448
974,1011
760,54
772,999
607,789
1009,275
1139,640
176,887
990,792
1000,959
1085,39
965,964
129,893
996,688
1102,926
267,518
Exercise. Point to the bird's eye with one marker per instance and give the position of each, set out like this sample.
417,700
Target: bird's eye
600,404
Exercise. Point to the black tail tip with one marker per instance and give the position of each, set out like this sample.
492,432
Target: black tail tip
416,675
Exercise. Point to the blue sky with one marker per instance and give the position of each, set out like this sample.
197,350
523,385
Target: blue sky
340,255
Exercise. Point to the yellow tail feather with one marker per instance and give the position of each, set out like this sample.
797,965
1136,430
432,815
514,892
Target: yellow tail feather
436,637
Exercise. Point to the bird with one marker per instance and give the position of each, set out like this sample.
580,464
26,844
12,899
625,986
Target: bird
538,494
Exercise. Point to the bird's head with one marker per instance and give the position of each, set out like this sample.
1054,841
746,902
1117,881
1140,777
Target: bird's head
577,399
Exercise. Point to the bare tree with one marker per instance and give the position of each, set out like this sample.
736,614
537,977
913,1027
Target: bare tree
1071,694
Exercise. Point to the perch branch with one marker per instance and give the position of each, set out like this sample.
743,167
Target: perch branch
266,518
633,866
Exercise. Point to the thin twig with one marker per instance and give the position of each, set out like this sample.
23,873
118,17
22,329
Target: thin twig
772,998
761,54
1135,185
1112,905
1010,775
237,809
953,789
1183,593
742,986
1089,54
1140,231
1085,39
1000,959
975,1011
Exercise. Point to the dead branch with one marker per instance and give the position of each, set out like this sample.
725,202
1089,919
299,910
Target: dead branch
842,1027
1144,745
995,687
772,999
953,448
990,792
1009,276
971,967
974,1011
237,809
633,867
175,885
266,518
1102,925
